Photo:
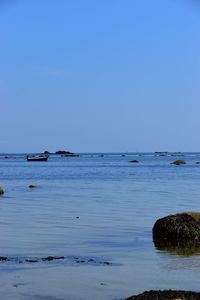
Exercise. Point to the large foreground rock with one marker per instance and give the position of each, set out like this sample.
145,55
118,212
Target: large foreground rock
179,228
166,295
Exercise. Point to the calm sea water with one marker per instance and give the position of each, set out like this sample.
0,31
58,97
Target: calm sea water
117,203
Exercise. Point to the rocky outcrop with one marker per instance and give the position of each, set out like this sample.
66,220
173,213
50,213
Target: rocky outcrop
161,152
179,229
178,162
63,152
58,152
166,295
1,191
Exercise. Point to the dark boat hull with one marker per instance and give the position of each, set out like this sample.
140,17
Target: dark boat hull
37,158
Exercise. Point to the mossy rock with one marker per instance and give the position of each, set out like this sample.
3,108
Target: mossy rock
178,228
178,162
1,191
166,295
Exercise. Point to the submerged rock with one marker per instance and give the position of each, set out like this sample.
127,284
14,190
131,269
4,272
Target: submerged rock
134,161
80,261
91,260
3,258
178,229
77,260
31,260
178,162
103,283
31,186
166,295
106,263
1,191
49,258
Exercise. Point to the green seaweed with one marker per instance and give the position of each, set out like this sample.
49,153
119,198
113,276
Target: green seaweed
190,231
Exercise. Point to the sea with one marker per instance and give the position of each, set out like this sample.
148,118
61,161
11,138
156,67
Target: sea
95,214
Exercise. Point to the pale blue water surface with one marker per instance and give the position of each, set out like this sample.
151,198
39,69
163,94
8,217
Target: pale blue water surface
117,203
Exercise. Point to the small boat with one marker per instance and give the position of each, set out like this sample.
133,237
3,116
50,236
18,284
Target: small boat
37,158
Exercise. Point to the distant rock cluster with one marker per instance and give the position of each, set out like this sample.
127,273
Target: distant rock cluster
62,153
58,152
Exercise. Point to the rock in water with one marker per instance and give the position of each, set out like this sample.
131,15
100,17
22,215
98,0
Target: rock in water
47,152
32,186
1,191
3,258
178,162
134,161
179,228
63,152
49,258
166,295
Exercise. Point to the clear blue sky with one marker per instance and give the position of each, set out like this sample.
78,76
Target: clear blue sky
99,75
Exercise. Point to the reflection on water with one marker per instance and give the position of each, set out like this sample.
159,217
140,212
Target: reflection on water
187,249
187,263
178,257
